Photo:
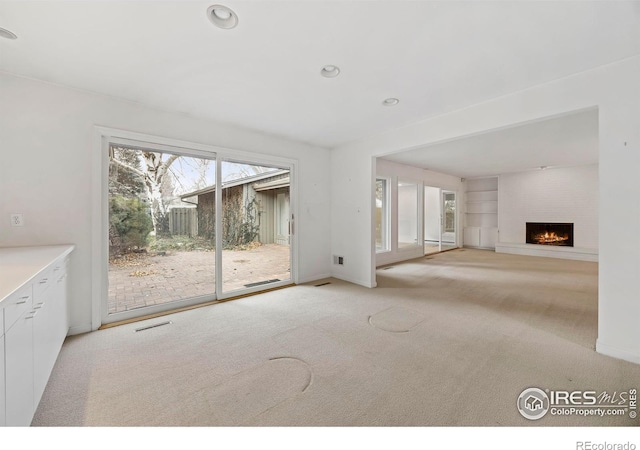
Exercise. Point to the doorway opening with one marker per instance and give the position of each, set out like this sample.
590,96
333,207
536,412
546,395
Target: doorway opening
440,220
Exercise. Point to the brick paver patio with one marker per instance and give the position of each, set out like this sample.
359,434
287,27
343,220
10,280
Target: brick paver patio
142,280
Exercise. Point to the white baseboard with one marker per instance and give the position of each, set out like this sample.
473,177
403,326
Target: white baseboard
313,278
616,352
383,259
366,284
80,329
548,251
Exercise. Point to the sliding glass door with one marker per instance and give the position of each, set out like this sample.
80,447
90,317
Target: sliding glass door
184,227
440,220
256,225
161,239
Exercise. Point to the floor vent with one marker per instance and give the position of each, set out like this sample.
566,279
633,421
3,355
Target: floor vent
260,283
323,284
168,322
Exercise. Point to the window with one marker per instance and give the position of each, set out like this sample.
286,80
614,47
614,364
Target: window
382,215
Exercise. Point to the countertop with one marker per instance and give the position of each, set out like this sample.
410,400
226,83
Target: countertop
20,265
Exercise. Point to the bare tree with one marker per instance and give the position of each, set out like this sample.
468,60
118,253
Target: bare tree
155,167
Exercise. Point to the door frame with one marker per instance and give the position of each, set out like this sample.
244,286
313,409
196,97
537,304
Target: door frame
441,214
102,137
279,216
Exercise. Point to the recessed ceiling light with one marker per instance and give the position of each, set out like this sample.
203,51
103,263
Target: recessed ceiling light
222,17
390,101
7,34
330,71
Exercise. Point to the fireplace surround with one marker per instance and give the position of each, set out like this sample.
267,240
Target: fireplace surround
545,233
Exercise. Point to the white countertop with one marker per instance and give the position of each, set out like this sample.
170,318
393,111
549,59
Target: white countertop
20,265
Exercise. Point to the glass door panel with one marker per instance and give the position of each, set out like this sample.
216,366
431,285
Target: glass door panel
161,228
448,220
256,225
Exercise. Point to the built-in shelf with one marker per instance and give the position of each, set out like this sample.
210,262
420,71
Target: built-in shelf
481,213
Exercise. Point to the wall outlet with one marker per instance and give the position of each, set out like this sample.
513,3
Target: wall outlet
338,260
17,220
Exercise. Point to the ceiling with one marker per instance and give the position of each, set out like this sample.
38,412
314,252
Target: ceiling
569,140
435,56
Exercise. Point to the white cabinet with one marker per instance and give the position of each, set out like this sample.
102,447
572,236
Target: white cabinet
49,324
471,236
481,237
35,326
19,407
488,237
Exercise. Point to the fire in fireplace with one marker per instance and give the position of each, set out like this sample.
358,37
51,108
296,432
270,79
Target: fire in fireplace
550,233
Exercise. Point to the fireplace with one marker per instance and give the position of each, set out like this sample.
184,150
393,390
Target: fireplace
540,233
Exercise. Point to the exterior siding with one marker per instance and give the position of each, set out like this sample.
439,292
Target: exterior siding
265,208
266,205
206,215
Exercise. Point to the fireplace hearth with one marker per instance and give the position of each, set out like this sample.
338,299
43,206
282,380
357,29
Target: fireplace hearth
542,233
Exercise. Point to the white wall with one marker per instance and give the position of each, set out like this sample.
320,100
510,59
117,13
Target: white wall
431,213
552,195
407,212
615,90
46,139
401,172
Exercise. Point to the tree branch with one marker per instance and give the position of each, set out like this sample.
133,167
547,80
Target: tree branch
166,164
127,166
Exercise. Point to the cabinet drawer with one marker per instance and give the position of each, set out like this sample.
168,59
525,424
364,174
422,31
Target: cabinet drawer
16,305
58,269
42,283
59,272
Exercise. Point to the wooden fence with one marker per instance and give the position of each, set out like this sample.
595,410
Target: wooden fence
183,221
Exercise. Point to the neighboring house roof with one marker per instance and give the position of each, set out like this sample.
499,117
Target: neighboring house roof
273,184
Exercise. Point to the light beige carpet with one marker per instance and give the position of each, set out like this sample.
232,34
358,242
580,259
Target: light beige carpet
450,339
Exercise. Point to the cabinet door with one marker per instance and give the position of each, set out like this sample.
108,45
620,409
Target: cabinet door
488,237
43,345
59,296
19,372
2,402
472,236
49,330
